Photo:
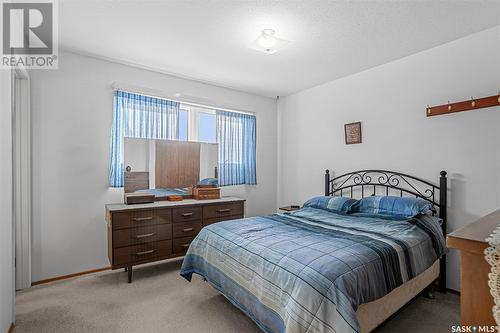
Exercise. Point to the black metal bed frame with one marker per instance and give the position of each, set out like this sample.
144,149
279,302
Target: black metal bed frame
368,181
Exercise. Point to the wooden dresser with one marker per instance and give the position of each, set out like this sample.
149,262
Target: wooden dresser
476,302
143,233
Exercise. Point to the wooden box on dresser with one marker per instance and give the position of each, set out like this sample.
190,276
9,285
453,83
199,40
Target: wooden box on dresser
144,233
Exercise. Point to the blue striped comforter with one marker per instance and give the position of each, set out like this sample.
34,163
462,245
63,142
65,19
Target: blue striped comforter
163,192
308,271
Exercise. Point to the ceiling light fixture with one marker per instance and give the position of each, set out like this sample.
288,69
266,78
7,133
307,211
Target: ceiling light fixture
267,42
267,39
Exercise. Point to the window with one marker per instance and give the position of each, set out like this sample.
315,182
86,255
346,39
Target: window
206,127
235,133
236,136
139,116
200,123
183,124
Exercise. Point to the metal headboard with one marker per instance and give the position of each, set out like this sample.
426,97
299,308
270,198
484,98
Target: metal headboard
384,182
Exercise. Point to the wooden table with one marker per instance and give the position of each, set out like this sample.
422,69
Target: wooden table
476,301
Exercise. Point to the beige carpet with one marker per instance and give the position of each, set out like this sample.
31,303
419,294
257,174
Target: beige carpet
159,300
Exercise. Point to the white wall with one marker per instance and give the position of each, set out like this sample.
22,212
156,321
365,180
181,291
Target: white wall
390,101
72,114
6,235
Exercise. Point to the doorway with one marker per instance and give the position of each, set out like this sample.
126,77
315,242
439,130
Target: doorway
21,169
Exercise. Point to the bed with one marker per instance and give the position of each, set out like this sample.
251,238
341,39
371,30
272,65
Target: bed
317,270
138,182
161,193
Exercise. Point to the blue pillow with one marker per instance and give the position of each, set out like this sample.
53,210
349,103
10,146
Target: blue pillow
209,181
399,207
332,204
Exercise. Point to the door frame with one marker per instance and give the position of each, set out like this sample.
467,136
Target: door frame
21,169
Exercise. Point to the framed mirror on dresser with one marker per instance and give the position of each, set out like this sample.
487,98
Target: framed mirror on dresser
163,168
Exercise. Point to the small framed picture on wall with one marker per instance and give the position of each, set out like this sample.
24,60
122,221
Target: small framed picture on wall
352,133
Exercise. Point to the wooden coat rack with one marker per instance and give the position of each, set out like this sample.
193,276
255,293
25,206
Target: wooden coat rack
472,104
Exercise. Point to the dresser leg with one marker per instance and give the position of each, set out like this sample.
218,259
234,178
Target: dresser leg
125,269
129,271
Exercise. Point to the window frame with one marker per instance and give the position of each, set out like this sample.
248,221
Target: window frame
193,120
181,108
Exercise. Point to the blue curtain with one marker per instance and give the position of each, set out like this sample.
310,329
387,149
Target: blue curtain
236,136
139,116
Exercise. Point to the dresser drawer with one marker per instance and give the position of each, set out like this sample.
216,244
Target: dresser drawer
220,219
133,236
121,220
221,210
186,214
180,245
163,215
136,218
142,253
184,229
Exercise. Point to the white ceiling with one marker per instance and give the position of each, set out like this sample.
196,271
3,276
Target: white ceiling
207,40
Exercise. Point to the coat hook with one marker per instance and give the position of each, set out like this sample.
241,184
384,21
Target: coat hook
449,106
473,103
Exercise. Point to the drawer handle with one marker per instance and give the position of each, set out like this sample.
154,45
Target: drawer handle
145,235
186,245
225,210
187,214
140,219
144,252
187,229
